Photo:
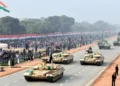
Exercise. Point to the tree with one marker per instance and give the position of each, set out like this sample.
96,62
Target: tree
97,26
82,27
66,23
51,24
103,26
9,25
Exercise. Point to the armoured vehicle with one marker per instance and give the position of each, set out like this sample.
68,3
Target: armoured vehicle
50,72
63,57
93,58
103,44
117,42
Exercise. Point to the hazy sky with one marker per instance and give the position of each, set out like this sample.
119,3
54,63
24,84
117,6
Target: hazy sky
81,10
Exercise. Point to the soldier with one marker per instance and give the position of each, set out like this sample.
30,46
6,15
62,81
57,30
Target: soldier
90,50
32,55
36,47
113,79
40,54
24,54
12,58
8,46
29,54
116,69
27,46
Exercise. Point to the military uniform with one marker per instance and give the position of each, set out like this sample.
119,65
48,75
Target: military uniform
113,79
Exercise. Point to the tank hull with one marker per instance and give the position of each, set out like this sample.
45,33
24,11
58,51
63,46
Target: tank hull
49,79
104,47
116,44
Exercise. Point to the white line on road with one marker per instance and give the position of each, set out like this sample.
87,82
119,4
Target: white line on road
66,81
15,81
71,78
76,74
80,72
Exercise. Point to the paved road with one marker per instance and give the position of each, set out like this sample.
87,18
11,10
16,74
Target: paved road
75,74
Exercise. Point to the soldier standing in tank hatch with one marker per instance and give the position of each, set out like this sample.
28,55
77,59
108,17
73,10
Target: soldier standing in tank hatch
113,79
116,69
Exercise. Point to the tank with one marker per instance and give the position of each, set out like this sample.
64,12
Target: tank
50,72
117,42
103,44
94,58
64,57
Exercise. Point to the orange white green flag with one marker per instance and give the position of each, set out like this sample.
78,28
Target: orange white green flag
3,7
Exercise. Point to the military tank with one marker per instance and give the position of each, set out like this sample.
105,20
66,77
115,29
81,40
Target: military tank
50,72
117,42
103,44
63,57
93,58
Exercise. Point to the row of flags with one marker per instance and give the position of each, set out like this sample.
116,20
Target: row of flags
4,7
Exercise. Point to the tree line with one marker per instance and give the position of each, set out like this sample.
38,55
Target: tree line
52,24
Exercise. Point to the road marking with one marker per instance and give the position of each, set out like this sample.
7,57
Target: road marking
6,84
61,84
76,74
80,72
69,67
66,81
71,78
15,81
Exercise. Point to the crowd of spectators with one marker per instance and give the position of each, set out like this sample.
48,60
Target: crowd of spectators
50,43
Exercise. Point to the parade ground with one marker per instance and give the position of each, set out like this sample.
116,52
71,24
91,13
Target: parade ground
103,80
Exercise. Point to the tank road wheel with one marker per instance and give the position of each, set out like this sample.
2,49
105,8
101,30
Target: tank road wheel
100,48
52,79
102,62
71,60
67,62
109,47
82,63
99,63
61,75
28,79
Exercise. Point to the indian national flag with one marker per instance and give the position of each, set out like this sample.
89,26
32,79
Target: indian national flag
3,7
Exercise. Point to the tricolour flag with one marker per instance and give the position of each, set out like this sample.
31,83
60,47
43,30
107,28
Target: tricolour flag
3,7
